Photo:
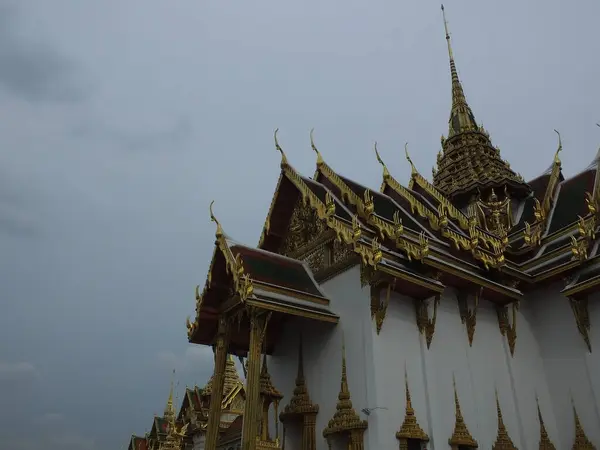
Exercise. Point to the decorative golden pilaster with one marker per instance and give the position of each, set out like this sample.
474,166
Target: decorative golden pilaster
346,422
581,440
461,436
503,440
410,428
507,328
424,323
582,319
216,398
545,442
301,409
468,316
252,410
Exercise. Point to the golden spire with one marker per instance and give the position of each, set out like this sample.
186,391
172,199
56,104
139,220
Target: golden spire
386,172
219,232
345,417
300,403
170,414
267,389
461,116
410,428
545,442
284,161
503,440
231,380
314,147
581,440
461,435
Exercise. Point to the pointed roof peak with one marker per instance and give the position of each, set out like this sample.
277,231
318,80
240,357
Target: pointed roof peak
170,413
461,115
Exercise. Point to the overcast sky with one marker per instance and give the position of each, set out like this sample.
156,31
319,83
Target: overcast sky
120,120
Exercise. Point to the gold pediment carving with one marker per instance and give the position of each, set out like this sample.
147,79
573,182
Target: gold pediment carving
304,228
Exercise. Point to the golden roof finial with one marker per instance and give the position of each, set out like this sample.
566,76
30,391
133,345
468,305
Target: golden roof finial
284,161
314,147
386,172
556,158
410,428
545,442
412,166
219,231
503,440
461,116
581,440
461,435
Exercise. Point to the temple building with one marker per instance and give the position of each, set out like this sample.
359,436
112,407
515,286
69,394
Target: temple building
455,312
187,429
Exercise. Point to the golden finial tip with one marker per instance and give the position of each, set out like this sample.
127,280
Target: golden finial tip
278,148
314,147
214,219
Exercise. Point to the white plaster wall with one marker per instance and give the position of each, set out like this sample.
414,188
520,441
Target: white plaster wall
550,361
396,348
528,378
198,440
323,354
568,365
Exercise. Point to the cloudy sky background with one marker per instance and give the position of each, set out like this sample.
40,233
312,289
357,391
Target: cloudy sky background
120,120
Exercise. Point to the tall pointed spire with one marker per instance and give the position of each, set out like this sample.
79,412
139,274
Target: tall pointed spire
461,437
170,414
545,442
461,115
470,164
581,440
503,440
410,428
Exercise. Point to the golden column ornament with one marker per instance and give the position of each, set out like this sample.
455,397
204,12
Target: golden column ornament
214,413
252,410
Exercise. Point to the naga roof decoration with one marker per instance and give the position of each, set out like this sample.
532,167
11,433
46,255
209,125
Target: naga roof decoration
469,161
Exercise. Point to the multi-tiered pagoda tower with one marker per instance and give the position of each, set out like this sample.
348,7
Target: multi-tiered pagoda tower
467,304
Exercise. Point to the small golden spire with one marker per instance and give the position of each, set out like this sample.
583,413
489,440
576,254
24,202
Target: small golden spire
412,166
284,161
300,403
545,442
556,158
581,440
169,414
410,428
345,417
386,173
314,147
503,440
461,435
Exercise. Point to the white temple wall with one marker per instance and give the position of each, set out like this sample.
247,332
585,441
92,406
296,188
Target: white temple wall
397,347
593,365
528,380
446,357
323,353
568,366
489,362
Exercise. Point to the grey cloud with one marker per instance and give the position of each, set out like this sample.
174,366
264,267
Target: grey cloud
34,70
169,137
17,371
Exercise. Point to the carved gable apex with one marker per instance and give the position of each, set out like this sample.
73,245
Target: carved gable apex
304,228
